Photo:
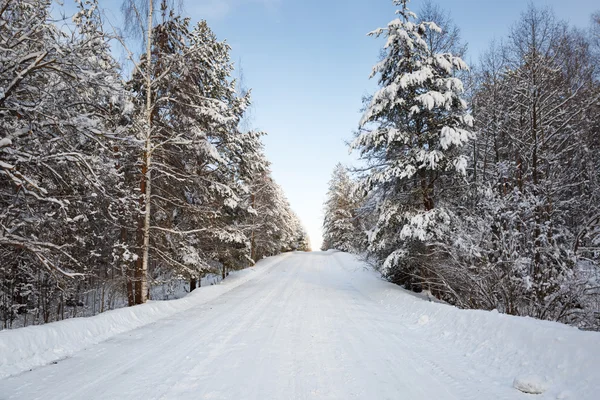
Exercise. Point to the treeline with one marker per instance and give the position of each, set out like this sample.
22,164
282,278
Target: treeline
110,186
481,186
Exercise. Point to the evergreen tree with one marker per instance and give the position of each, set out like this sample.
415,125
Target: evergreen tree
273,226
201,160
411,135
106,187
340,223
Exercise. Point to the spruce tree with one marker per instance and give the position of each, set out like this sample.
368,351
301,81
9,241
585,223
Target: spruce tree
340,222
411,135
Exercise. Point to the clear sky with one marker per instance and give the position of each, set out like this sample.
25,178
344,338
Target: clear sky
308,64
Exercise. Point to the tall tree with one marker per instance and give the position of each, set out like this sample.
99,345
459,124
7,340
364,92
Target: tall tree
340,226
60,107
202,162
139,16
411,134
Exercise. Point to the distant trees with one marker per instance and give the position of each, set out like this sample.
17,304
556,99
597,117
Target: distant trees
340,225
107,186
498,210
272,225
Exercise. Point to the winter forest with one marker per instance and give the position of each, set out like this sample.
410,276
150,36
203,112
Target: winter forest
279,199
119,186
126,180
480,184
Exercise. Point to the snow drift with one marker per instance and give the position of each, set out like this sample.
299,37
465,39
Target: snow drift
546,358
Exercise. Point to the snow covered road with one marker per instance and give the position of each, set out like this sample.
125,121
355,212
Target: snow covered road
319,326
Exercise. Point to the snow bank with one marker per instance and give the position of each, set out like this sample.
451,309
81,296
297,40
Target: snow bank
25,348
553,360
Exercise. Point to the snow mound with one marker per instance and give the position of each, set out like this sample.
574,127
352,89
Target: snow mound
531,384
26,348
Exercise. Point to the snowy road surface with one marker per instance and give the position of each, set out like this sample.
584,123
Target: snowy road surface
319,326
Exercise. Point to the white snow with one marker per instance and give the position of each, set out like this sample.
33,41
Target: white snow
25,348
318,325
5,142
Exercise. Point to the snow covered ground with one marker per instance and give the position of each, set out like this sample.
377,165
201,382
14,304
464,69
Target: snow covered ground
301,326
34,346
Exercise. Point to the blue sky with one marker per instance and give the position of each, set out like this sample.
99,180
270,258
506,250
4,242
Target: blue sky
308,64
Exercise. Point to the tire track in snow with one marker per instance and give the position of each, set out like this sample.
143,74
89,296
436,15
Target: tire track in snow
304,330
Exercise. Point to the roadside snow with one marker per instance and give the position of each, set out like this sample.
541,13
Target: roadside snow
553,360
25,348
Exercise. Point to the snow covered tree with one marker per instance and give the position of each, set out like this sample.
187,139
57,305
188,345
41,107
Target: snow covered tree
534,168
340,223
411,135
201,161
60,106
139,16
105,185
272,226
302,240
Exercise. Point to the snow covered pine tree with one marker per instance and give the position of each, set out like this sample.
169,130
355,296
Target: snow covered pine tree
410,136
201,162
340,223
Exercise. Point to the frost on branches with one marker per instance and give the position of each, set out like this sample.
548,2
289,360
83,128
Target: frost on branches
507,219
109,189
61,99
536,172
411,135
200,160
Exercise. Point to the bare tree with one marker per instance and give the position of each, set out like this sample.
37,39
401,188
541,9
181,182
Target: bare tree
449,39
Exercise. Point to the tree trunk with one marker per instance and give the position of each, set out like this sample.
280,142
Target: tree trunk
427,192
141,283
537,267
252,240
